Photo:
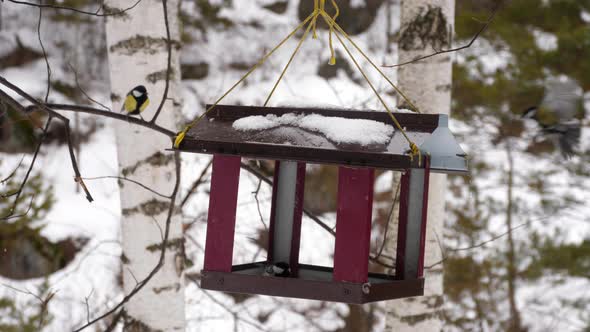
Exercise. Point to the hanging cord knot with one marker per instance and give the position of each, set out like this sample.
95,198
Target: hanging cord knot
180,137
331,24
320,10
415,152
316,13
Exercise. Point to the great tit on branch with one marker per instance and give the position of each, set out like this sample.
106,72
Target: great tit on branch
557,115
136,101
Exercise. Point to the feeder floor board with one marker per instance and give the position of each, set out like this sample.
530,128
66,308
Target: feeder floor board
313,283
215,134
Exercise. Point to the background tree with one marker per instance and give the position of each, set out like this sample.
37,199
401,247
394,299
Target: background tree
426,27
524,203
139,47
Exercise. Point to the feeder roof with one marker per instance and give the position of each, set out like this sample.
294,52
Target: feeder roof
326,136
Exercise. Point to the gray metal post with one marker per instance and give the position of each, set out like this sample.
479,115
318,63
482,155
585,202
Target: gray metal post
412,224
285,209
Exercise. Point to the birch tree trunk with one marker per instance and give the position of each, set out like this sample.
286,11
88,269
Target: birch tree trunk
138,56
426,26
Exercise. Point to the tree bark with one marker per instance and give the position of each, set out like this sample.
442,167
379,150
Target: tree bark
511,269
426,26
138,55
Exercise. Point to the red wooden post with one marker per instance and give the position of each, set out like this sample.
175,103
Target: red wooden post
223,201
353,224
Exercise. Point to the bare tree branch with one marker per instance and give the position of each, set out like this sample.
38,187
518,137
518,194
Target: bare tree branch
6,99
389,220
43,302
196,184
17,193
258,204
169,65
160,263
234,313
88,305
128,180
492,239
11,215
308,213
112,115
113,325
468,45
12,174
96,13
66,122
44,53
84,92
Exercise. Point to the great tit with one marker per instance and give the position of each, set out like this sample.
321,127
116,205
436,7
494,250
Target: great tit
557,115
136,101
280,269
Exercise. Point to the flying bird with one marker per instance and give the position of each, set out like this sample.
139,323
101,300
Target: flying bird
557,115
136,101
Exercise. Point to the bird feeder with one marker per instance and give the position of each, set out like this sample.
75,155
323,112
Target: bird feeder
349,280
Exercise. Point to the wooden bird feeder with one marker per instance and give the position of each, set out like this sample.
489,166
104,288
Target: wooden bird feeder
348,280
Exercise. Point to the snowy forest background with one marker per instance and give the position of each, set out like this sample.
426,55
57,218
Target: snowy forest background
518,227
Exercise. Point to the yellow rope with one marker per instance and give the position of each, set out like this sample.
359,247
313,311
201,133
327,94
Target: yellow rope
316,8
329,20
180,137
319,9
414,150
333,54
288,63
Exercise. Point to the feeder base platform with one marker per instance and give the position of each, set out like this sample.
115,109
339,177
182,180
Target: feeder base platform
313,283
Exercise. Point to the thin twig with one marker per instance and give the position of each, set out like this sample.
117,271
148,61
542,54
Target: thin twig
196,184
17,193
6,99
308,213
11,175
84,92
88,305
235,314
66,122
44,302
160,263
113,325
258,204
468,45
12,216
44,54
169,65
57,7
128,180
112,115
389,220
479,245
